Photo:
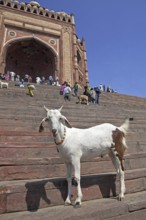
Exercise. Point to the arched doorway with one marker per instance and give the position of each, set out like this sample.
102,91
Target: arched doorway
32,57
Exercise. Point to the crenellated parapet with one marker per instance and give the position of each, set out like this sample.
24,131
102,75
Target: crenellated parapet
35,8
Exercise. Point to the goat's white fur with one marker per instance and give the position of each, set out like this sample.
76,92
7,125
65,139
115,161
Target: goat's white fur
85,143
4,84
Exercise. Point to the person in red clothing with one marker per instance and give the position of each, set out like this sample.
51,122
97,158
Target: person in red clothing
62,88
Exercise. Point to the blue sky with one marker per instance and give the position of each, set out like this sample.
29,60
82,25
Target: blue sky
115,36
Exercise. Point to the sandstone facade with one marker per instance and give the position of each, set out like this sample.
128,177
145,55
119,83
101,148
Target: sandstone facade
39,42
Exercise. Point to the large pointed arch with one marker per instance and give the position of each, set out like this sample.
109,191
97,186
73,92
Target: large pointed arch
32,56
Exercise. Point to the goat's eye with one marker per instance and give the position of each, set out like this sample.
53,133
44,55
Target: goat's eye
60,119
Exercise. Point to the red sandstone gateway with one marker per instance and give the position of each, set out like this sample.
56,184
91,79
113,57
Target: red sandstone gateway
51,43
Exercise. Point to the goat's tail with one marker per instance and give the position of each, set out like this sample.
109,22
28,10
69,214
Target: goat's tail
125,126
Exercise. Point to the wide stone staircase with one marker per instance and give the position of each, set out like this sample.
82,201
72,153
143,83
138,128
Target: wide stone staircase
32,175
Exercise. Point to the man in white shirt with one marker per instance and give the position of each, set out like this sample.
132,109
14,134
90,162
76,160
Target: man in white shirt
12,74
67,92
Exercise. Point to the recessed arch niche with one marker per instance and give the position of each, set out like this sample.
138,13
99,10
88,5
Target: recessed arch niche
32,57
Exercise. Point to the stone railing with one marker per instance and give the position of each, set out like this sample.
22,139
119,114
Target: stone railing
38,10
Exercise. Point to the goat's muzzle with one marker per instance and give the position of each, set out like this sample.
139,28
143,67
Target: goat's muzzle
54,132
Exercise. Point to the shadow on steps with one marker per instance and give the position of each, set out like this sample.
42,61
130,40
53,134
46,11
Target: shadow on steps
54,191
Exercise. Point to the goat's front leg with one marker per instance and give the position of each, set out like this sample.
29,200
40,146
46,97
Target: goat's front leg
69,181
76,164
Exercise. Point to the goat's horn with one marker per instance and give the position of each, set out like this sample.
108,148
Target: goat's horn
46,108
60,108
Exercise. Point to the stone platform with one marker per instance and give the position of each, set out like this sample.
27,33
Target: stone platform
32,176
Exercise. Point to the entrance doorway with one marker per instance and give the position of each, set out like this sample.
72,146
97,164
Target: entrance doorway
30,57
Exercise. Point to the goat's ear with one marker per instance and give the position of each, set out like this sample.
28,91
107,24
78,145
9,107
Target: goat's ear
66,121
46,108
41,127
60,108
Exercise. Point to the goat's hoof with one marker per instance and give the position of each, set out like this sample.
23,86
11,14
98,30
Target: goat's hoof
77,205
67,203
120,198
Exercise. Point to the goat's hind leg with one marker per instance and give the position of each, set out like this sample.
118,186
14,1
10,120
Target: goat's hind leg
119,168
122,185
69,182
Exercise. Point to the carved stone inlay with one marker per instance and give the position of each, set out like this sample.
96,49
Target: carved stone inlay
52,41
12,33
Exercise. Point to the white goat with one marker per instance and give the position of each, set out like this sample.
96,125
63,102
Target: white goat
4,84
74,144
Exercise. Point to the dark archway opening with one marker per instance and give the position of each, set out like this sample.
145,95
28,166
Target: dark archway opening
30,57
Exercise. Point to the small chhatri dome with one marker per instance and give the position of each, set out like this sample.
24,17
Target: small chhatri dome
35,3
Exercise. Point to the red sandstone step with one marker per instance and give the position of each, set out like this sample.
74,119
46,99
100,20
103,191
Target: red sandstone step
3,132
23,123
43,96
112,108
117,107
133,207
22,126
28,128
26,139
54,88
48,149
79,119
34,144
105,99
34,105
83,115
27,150
73,117
47,167
129,103
35,194
39,98
34,149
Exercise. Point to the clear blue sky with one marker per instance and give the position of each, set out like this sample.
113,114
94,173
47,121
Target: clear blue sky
115,36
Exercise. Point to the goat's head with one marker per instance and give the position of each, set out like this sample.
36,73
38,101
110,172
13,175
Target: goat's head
55,118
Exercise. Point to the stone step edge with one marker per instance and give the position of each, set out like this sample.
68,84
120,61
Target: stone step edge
11,133
8,187
50,143
58,160
99,209
90,187
24,133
